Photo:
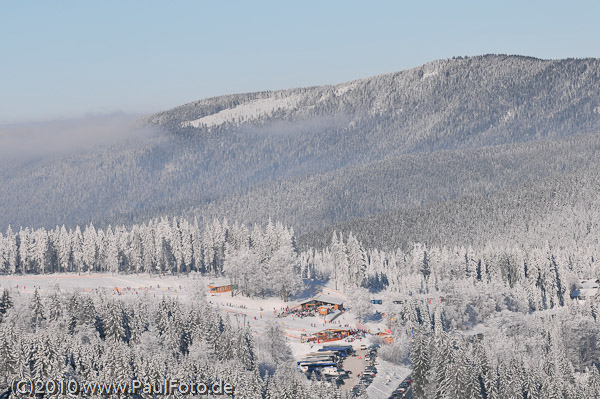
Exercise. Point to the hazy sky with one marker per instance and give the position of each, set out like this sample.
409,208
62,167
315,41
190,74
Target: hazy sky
69,58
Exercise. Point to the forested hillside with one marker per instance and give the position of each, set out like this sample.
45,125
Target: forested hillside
407,144
560,209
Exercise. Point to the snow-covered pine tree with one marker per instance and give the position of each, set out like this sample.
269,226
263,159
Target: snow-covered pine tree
40,250
64,249
90,250
245,349
283,269
11,251
186,246
5,303
77,249
339,260
278,349
357,264
420,359
111,253
8,354
37,309
113,322
55,311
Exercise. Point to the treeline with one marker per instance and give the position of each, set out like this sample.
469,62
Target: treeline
158,246
264,260
259,260
525,279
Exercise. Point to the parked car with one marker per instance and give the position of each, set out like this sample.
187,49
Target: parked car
402,388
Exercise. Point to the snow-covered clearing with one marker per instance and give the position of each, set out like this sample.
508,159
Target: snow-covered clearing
246,112
257,312
116,284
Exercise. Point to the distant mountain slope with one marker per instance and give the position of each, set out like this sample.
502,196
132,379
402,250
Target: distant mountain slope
410,181
327,156
443,104
558,211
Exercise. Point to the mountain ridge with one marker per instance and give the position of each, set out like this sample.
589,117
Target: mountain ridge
461,70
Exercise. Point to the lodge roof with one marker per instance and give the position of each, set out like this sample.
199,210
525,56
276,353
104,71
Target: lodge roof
325,299
219,283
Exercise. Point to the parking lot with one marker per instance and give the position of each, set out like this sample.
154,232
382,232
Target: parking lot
356,365
363,370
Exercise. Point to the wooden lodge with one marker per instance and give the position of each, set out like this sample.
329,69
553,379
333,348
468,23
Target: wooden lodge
323,301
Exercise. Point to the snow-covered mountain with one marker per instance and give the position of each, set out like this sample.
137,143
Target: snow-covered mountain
443,104
318,157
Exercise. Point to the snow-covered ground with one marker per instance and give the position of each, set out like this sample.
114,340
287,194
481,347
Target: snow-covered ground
116,284
258,312
246,112
388,377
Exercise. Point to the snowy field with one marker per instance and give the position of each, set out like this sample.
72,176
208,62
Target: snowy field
92,281
123,285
